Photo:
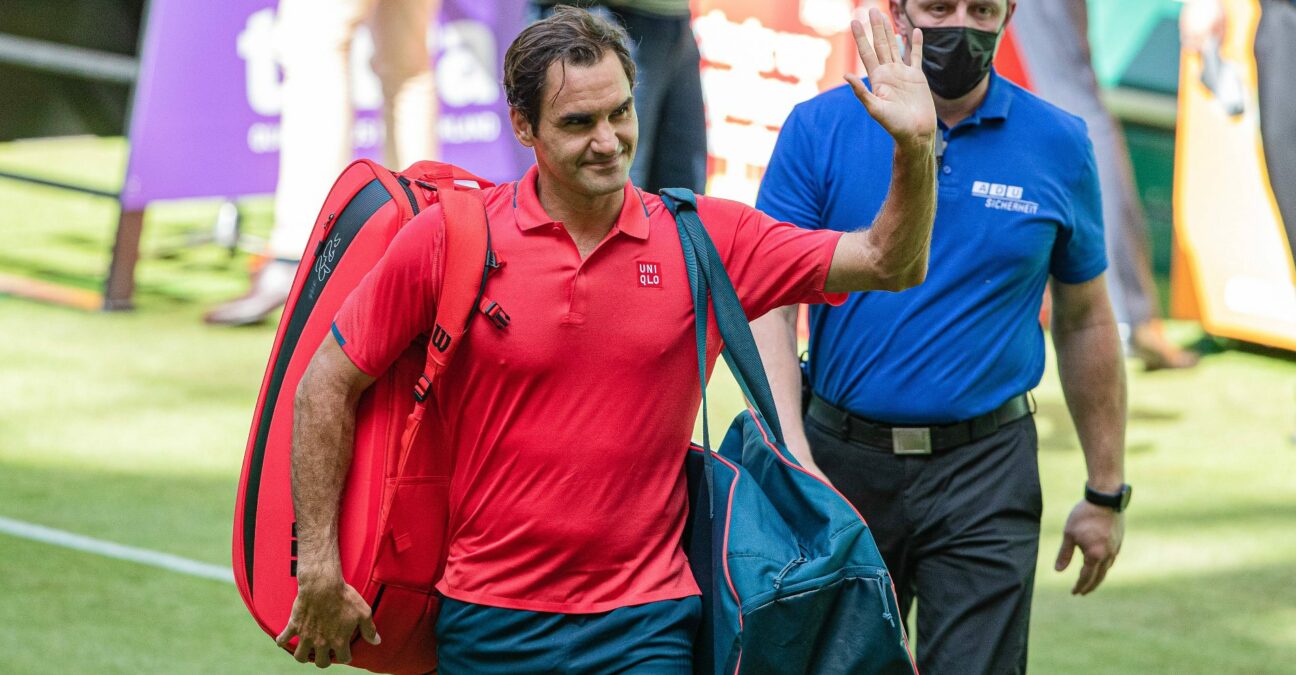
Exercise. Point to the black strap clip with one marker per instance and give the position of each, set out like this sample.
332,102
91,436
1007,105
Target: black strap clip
495,313
421,388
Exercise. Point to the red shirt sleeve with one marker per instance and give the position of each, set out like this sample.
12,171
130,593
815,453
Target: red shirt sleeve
772,264
396,301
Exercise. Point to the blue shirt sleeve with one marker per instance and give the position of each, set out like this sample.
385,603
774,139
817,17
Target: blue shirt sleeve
1079,254
791,190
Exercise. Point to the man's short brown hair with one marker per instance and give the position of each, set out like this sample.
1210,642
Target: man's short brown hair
570,35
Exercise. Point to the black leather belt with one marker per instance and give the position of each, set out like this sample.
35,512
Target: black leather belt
911,440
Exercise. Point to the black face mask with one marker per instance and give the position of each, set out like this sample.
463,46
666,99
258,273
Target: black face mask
956,59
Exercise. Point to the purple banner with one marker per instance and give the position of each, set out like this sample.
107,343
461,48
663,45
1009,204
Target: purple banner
205,121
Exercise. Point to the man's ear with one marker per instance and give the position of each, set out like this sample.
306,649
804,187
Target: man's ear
521,127
898,14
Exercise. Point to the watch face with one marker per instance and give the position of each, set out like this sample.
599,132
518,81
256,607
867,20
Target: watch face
1126,492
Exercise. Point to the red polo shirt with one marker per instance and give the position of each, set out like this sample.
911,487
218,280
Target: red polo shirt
571,425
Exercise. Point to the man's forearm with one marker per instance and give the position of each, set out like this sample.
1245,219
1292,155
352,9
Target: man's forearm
775,335
1092,372
892,253
323,438
901,233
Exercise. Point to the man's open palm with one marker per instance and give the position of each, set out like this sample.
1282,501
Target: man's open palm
900,100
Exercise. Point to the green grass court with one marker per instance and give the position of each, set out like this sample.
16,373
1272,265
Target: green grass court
130,428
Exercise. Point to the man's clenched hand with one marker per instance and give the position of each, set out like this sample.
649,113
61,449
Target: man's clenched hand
325,617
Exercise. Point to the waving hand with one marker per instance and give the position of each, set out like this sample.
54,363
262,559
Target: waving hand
900,100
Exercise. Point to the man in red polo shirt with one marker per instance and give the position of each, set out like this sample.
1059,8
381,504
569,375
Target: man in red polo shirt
570,426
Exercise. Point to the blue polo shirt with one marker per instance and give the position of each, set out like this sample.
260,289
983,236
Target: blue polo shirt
1018,201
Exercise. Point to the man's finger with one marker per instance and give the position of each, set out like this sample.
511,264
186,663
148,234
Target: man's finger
1098,578
892,44
303,651
862,93
1065,553
369,631
865,49
1086,577
915,48
322,656
343,653
880,47
1099,568
287,635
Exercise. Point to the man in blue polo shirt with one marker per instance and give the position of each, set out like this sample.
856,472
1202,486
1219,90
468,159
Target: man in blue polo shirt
920,411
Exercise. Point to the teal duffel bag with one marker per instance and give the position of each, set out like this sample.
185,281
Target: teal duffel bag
791,579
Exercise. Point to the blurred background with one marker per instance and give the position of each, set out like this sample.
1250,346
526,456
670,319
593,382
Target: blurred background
139,158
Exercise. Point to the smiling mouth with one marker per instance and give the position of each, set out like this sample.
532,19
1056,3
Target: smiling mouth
609,163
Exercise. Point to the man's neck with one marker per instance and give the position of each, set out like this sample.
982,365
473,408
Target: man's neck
580,214
953,111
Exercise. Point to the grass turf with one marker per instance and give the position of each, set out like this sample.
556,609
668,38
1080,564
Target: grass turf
131,427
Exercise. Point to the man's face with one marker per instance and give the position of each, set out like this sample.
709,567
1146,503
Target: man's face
986,15
586,137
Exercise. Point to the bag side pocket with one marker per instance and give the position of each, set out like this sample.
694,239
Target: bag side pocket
412,552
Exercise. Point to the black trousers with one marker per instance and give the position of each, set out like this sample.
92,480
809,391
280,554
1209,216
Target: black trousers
959,531
1275,53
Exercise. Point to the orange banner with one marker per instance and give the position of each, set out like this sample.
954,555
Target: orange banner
759,59
1233,266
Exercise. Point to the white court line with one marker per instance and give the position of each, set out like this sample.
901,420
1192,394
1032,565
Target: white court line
166,561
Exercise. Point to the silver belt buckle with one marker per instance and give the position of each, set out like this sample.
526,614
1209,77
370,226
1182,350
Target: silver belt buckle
911,440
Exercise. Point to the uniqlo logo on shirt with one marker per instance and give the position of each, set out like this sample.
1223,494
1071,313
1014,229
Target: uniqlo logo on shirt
649,274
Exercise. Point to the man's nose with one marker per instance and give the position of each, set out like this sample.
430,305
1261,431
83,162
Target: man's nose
605,139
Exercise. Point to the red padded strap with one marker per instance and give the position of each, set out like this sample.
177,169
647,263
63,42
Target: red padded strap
434,172
467,242
466,245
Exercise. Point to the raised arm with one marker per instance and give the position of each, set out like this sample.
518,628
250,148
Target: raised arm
891,255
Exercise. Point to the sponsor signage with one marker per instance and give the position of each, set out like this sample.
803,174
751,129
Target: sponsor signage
205,120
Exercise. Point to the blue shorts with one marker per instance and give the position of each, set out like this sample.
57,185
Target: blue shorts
652,638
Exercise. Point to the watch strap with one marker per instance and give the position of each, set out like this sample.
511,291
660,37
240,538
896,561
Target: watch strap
1116,501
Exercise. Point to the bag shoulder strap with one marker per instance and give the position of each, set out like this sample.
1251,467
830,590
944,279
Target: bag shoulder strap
468,260
707,276
468,256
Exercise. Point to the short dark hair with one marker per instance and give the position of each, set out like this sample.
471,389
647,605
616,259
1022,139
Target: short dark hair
570,35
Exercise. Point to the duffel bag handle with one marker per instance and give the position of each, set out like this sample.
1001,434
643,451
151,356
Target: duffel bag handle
707,276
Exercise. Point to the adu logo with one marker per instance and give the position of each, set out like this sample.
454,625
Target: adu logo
1003,197
984,189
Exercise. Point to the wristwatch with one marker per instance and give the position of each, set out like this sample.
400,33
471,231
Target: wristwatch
1116,501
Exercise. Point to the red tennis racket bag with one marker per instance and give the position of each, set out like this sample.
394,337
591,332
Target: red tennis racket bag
393,511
